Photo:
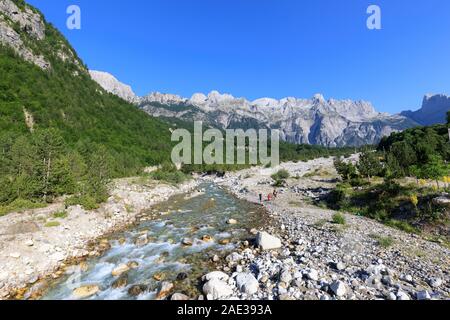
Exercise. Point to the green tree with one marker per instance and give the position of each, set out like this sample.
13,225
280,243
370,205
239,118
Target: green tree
50,146
369,164
435,169
346,170
98,174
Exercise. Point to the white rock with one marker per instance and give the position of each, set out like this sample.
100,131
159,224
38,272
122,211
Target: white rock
267,242
312,275
216,275
391,296
339,289
86,291
120,270
232,221
402,296
58,256
217,289
286,277
247,283
340,266
29,243
4,275
436,282
15,255
423,295
179,297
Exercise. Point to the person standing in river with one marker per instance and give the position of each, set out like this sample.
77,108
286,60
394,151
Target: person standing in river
260,197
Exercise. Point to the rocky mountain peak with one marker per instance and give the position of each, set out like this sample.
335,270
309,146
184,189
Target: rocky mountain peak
435,102
162,98
30,21
32,25
318,98
114,86
434,110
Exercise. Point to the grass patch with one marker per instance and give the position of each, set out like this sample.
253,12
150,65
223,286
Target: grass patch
60,215
20,205
295,204
320,223
52,224
385,242
402,225
319,172
339,218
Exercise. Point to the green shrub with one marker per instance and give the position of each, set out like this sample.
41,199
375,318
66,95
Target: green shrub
86,201
402,225
281,175
20,205
60,215
339,218
382,241
169,173
358,182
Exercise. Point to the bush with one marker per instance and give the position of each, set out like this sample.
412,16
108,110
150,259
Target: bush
339,218
382,241
281,175
347,171
358,182
169,173
280,178
402,225
20,205
60,215
86,201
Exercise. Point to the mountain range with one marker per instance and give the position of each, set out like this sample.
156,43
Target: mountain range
331,123
46,85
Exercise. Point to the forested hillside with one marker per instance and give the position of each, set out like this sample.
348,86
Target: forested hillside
60,132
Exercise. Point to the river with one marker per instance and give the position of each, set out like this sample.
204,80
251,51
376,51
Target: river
159,247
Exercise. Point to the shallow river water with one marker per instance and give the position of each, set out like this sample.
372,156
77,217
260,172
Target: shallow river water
201,220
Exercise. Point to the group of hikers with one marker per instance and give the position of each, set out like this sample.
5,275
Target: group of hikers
270,196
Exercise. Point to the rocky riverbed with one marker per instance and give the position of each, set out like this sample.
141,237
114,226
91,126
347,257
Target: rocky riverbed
207,245
39,243
303,255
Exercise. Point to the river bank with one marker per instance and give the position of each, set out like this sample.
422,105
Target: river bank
36,244
315,258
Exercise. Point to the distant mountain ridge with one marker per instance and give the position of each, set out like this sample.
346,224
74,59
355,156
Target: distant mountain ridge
330,123
434,110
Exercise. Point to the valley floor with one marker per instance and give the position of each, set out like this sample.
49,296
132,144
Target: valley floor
37,243
312,258
318,259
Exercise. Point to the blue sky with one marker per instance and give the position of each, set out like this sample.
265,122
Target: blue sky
267,48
